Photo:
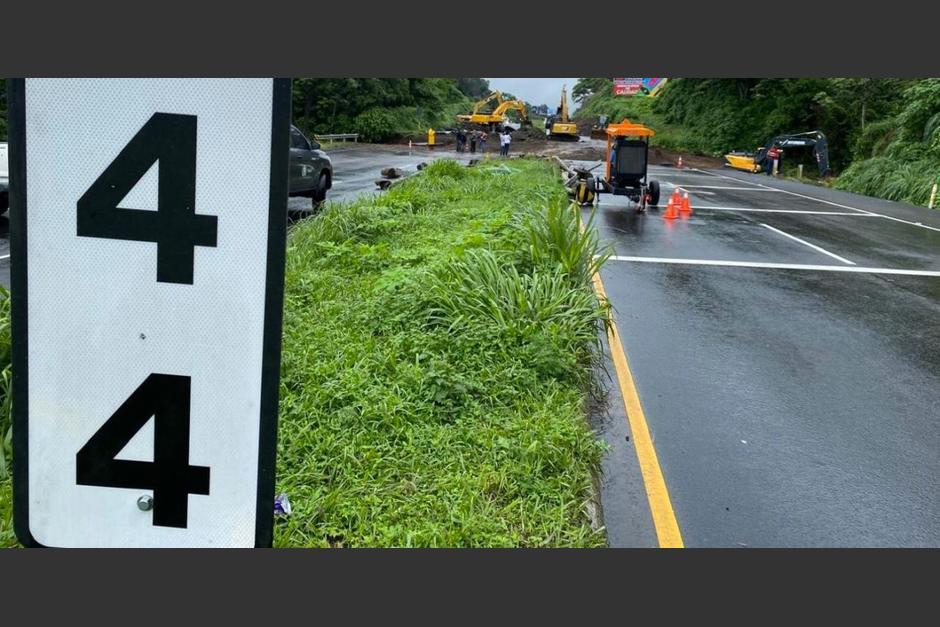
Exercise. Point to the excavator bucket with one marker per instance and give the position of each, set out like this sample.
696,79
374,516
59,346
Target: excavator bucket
742,162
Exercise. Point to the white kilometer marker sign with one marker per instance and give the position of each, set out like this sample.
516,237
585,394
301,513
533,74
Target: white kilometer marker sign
148,222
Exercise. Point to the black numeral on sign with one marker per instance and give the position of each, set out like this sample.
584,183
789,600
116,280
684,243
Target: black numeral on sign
166,398
174,227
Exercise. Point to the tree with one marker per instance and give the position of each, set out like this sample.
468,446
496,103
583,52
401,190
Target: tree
474,88
585,87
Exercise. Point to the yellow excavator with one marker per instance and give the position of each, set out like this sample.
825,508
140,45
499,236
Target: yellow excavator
498,115
560,126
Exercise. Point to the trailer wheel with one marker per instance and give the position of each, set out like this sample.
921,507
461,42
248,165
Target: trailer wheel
654,193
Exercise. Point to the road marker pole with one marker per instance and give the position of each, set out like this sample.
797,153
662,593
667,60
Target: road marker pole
933,196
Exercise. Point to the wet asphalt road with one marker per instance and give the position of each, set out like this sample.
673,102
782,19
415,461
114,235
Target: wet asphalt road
789,407
357,167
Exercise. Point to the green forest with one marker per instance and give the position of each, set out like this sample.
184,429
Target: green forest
380,109
884,133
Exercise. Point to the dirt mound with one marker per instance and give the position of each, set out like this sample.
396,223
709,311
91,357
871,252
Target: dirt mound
527,133
585,125
582,153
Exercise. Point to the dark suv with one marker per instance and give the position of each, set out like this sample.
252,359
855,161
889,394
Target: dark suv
311,171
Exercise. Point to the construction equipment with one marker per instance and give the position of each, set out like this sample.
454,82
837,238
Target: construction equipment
627,160
560,125
582,186
755,161
497,116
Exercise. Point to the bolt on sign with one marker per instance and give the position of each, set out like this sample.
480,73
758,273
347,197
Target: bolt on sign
148,221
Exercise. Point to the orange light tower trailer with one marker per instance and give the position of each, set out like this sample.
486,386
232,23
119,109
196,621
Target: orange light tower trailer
627,161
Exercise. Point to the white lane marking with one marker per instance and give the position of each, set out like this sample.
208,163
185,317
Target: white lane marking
812,213
829,202
4,257
805,243
741,189
681,187
781,266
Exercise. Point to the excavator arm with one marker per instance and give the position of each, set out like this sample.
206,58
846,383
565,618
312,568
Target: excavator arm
477,114
512,105
560,125
496,95
752,162
563,109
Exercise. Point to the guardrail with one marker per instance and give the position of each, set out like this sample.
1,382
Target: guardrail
338,137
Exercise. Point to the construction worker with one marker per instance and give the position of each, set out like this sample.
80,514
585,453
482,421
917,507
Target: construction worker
483,142
770,163
430,138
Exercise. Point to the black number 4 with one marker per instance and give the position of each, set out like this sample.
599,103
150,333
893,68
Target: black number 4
174,227
169,475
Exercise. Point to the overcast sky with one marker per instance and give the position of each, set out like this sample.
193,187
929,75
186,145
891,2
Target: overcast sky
536,90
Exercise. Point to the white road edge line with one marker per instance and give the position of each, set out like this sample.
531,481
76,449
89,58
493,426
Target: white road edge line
781,266
828,202
812,213
805,243
4,257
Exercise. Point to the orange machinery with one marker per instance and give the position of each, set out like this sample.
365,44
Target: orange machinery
627,161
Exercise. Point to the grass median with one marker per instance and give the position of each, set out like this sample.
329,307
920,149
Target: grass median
437,360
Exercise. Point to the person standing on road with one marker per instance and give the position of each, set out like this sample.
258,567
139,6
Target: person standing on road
483,142
504,140
461,139
473,142
773,153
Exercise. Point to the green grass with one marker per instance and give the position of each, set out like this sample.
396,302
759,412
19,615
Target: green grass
438,344
892,178
435,368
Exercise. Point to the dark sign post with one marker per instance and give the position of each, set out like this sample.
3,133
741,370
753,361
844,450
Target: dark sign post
148,222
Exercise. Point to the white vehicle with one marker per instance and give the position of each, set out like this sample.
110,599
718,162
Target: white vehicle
4,179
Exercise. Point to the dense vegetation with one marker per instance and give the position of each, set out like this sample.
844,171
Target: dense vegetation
382,108
438,344
437,347
884,134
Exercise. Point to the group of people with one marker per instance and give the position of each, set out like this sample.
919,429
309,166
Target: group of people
477,139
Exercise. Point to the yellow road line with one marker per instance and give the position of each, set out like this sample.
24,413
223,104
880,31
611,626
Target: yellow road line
664,518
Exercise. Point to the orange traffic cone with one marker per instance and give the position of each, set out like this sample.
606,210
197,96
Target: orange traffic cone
679,165
685,206
672,211
676,197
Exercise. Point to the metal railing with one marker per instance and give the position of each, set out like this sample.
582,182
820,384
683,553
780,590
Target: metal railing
332,137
